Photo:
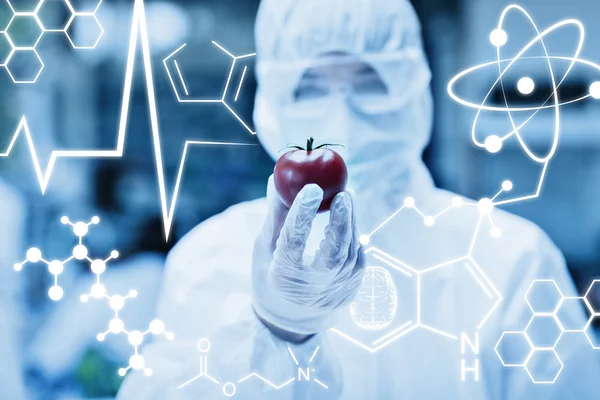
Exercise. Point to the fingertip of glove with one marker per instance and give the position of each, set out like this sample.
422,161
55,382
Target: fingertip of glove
341,202
311,192
271,190
351,192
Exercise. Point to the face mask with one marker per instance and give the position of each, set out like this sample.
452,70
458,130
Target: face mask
368,139
382,151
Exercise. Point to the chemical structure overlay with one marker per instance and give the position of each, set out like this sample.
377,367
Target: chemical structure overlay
525,86
374,312
381,318
539,339
98,291
230,388
168,204
222,100
23,49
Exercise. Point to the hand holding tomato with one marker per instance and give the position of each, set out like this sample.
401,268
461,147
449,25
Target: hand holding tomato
296,296
303,166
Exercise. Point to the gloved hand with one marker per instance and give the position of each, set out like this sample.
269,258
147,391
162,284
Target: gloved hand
295,293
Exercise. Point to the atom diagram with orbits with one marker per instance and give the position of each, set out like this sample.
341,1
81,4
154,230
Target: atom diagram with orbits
525,86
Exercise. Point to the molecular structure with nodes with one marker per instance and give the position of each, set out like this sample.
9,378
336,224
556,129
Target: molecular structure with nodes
98,291
26,27
223,99
536,343
378,339
485,207
393,332
230,389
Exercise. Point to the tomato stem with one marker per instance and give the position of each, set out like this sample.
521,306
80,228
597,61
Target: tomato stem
328,145
309,145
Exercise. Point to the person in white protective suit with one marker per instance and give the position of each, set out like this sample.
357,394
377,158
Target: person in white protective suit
354,73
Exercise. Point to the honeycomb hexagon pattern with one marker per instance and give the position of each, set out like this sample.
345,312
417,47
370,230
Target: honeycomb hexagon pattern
553,315
543,296
514,349
375,305
23,23
544,331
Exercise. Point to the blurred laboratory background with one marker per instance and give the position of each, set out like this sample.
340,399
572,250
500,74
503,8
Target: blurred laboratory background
76,103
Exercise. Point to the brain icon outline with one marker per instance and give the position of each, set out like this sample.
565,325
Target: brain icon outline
376,302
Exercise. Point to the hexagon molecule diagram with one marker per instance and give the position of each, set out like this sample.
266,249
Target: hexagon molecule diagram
23,23
374,307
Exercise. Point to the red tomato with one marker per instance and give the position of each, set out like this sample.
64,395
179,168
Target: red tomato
298,168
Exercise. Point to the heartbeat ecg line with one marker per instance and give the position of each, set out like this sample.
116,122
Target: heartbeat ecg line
138,31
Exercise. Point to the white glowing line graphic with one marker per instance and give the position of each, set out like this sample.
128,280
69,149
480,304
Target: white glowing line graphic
237,93
229,388
186,99
314,354
550,309
98,291
503,66
138,31
181,77
32,47
392,333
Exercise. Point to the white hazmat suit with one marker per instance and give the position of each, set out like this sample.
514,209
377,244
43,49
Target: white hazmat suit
457,276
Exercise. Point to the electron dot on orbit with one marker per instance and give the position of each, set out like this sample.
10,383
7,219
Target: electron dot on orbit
525,85
595,90
493,144
498,37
